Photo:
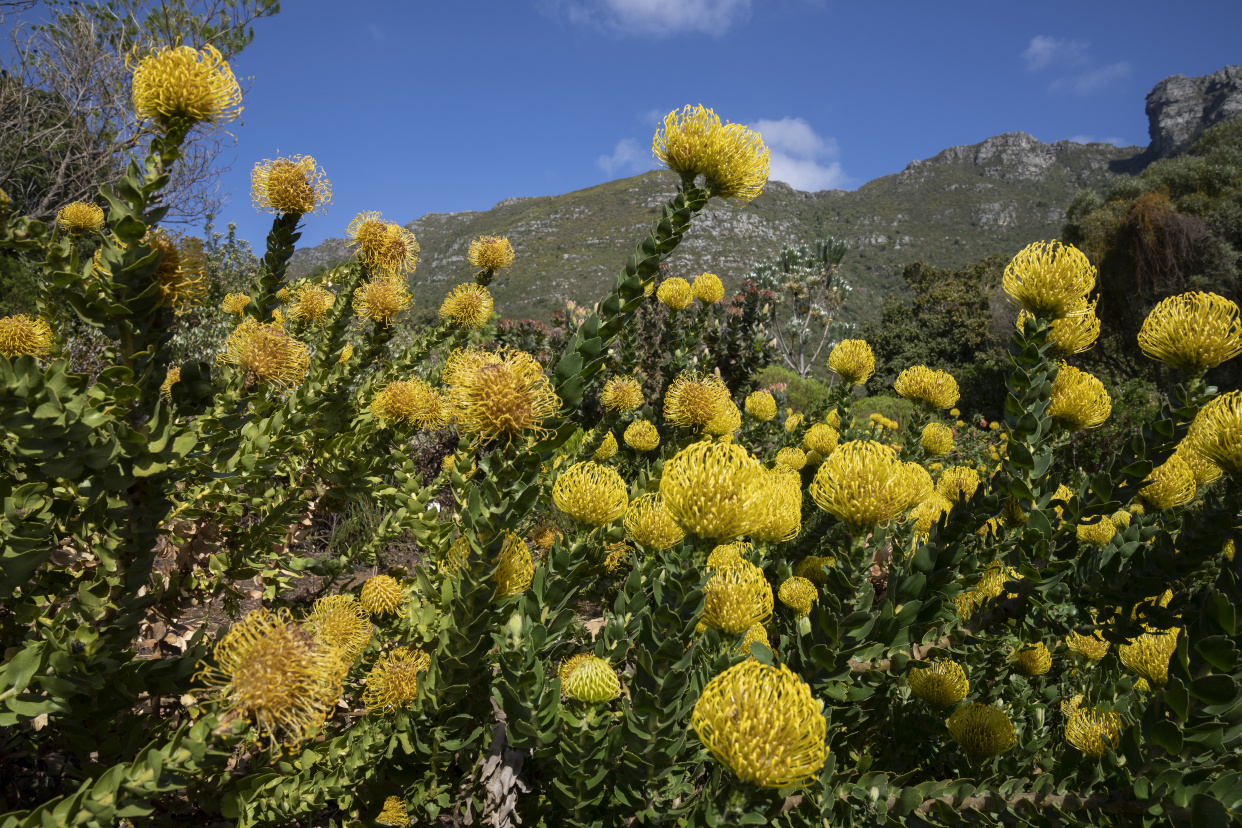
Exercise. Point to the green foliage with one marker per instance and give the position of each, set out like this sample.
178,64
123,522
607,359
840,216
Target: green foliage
886,405
804,395
19,286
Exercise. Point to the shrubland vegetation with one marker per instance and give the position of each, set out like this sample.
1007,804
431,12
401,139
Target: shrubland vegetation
651,593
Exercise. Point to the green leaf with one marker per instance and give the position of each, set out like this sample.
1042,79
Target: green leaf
1175,697
1168,736
1206,812
1214,689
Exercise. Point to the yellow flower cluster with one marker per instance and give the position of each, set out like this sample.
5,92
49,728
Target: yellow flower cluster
621,394
934,389
1078,399
235,303
790,457
822,439
394,812
380,300
589,679
641,435
852,361
468,305
716,491
607,448
267,353
22,334
649,524
736,597
731,157
591,494
695,399
1216,432
783,505
863,484
381,595
490,253
1192,332
384,247
707,288
171,378
80,217
937,439
798,594
812,568
761,405
515,568
957,483
728,419
393,681
1034,660
943,684
184,83
1092,647
290,185
341,623
1093,731
674,293
498,393
1170,484
1049,279
411,401
311,303
1071,334
983,731
1099,533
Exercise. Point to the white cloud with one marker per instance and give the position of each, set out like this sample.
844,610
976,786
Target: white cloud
1091,139
653,17
1072,60
627,157
1093,80
801,157
1043,52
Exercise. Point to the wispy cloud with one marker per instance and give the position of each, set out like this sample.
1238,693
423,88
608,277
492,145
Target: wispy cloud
627,157
653,18
800,156
1043,52
1091,139
376,33
1071,59
1093,80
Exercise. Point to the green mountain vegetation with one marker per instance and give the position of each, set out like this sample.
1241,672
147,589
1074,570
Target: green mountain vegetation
964,204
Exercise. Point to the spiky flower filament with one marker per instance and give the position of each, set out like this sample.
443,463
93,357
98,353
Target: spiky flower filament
181,82
410,401
694,399
621,394
927,513
270,670
784,506
80,217
606,449
501,395
724,556
728,419
763,724
1203,469
22,334
862,484
798,594
1170,484
171,378
1078,399
821,438
590,679
1192,332
1049,279
1092,647
267,353
515,568
180,287
852,360
649,524
791,457
641,435
1034,660
935,389
619,555
386,248
716,491
394,812
1216,432
1071,334
591,494
755,633
340,622
381,595
761,405
736,597
234,303
943,684
380,300
958,483
1094,731
490,253
1148,655
290,185
1099,533
983,731
468,305
937,439
707,288
393,681
674,293
311,303
793,422
812,568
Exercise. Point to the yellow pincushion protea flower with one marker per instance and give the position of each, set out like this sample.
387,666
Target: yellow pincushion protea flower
1071,334
1192,332
1121,519
1078,399
621,394
619,555
761,405
341,622
1049,279
957,483
724,556
648,523
920,384
490,253
468,305
381,595
918,483
393,681
707,288
1203,469
408,401
590,679
755,633
798,594
927,513
982,731
1093,731
290,185
267,353
394,812
606,449
1148,655
791,457
268,669
1092,647
727,420
1169,484
180,287
591,494
515,568
862,484
1216,432
380,300
763,724
22,334
543,536
674,293
716,491
852,361
502,395
812,568
185,83
793,422
311,303
737,164
385,247
641,435
80,217
822,439
737,597
695,399
1033,661
943,684
937,439
235,303
681,144
784,506
171,378
1099,533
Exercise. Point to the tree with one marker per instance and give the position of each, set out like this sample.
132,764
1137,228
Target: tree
66,124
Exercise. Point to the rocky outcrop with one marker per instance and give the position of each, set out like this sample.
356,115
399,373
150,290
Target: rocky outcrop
1179,109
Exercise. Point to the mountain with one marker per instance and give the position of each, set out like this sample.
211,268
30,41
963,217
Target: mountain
965,203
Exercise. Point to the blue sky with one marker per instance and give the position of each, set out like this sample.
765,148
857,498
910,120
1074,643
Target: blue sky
445,105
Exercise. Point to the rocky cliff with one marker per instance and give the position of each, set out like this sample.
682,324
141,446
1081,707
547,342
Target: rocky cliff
1179,109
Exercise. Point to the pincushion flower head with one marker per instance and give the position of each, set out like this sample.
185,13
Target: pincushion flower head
468,305
821,438
798,594
621,394
727,420
180,286
1192,332
408,401
812,568
983,731
761,405
674,293
1170,484
1216,432
270,670
22,334
235,303
937,439
1033,661
958,483
943,684
607,448
515,568
501,395
490,253
793,422
934,389
694,399
381,595
591,494
1147,656
589,679
1203,469
784,506
763,724
863,484
195,85
1078,399
1092,647
1099,533
648,523
171,378
80,217
641,435
732,158
311,303
852,361
393,681
1049,279
290,185
725,555
1071,334
927,514
790,457
394,812
380,300
707,288
266,353
736,597
340,622
384,247
716,491
1093,731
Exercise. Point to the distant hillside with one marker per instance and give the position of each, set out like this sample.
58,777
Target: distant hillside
965,203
